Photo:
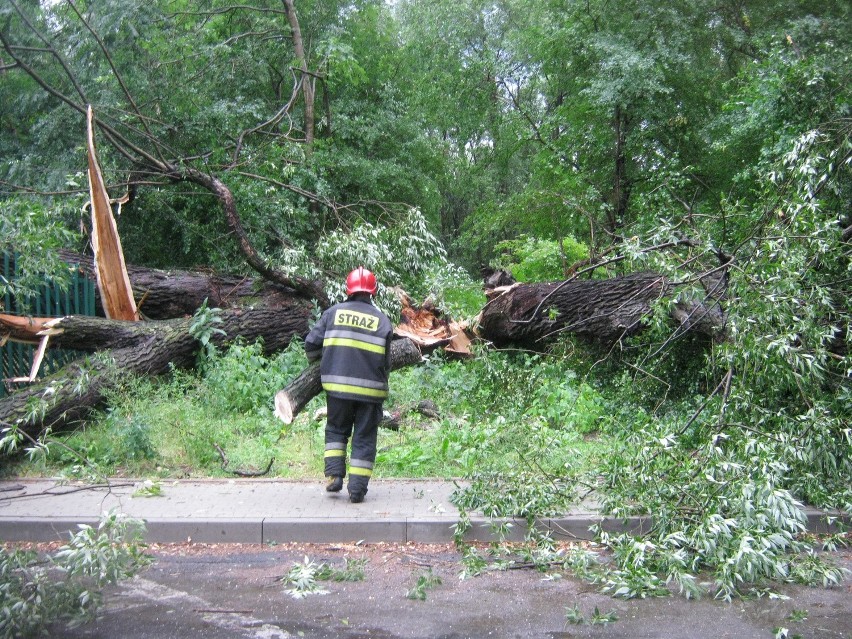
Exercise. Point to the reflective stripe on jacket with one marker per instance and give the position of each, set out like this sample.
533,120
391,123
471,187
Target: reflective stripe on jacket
353,339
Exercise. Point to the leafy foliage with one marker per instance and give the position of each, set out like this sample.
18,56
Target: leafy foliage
66,585
352,570
398,254
203,328
531,259
425,581
301,580
527,133
32,231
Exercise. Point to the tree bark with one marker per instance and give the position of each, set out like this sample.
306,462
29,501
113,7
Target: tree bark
171,294
147,348
307,80
290,401
604,310
620,193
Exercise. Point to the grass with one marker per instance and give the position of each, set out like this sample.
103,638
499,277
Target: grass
497,412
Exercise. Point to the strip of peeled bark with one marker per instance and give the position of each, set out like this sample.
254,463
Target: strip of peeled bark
124,348
604,310
290,401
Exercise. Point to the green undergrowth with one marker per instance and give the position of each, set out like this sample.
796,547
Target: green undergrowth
496,411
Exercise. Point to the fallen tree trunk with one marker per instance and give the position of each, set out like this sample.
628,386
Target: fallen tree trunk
604,310
123,348
178,293
290,401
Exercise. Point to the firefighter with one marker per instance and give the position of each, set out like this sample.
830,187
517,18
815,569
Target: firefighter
353,341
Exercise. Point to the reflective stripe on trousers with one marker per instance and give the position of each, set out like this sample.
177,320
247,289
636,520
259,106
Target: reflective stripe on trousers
359,421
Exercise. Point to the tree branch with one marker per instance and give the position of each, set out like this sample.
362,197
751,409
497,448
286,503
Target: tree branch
275,119
226,199
115,73
52,51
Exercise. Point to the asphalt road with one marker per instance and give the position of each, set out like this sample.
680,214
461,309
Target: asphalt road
215,591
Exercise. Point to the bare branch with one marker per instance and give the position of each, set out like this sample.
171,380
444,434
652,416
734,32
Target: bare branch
229,9
248,34
274,120
121,144
226,199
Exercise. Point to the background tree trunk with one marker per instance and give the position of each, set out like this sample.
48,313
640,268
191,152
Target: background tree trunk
307,78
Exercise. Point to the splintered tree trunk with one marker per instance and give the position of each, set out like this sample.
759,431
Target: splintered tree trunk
290,401
113,283
132,348
603,310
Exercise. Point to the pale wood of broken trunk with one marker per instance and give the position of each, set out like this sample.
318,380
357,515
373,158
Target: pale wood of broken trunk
112,278
22,328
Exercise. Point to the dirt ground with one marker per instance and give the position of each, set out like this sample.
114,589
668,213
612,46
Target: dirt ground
235,590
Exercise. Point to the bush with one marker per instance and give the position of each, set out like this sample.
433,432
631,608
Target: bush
243,379
531,259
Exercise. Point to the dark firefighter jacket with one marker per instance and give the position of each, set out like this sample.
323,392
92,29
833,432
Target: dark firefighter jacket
353,339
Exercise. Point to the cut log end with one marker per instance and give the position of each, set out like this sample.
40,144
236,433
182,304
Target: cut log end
283,407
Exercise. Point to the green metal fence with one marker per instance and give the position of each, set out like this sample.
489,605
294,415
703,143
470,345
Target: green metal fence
77,299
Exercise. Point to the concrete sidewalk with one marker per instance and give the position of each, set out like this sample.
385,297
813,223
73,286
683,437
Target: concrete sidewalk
256,511
270,510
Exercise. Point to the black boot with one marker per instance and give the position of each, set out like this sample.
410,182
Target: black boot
357,488
334,483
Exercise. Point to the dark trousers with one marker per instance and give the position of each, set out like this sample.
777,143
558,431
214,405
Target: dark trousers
359,421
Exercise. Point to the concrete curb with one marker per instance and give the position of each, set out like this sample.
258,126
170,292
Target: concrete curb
308,530
277,511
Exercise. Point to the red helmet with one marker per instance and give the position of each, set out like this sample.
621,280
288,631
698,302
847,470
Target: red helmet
361,281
